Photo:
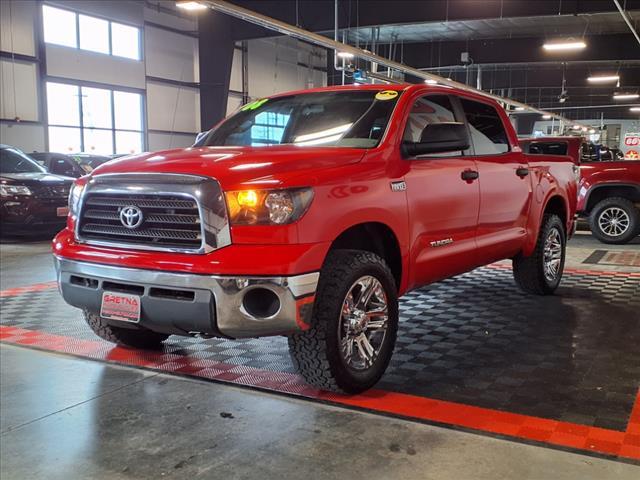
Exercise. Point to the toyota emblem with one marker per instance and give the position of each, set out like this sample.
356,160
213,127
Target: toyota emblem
131,216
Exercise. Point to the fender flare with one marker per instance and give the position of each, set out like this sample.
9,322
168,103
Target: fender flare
600,186
533,228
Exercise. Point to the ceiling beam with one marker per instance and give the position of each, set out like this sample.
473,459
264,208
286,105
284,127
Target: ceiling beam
317,15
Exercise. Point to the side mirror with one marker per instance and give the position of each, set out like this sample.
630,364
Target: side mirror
200,136
439,138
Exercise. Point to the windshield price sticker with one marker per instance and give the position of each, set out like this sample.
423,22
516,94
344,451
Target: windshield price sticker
254,105
386,95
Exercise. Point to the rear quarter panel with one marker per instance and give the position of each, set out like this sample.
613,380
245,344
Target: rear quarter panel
551,176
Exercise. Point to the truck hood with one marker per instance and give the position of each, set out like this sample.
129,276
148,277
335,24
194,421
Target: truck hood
235,167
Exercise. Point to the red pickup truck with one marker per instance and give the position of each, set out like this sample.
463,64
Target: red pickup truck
608,193
307,215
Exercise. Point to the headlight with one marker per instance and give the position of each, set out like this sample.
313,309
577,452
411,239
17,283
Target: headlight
268,207
11,190
74,198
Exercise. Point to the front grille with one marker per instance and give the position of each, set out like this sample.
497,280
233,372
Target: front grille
167,221
53,192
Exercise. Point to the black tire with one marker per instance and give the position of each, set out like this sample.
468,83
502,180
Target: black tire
607,204
316,352
529,272
135,338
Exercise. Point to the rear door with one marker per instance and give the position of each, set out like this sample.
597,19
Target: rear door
443,207
505,183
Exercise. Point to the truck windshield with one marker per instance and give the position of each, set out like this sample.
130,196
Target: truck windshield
355,119
14,161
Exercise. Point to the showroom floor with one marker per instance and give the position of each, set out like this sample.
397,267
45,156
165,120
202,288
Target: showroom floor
476,389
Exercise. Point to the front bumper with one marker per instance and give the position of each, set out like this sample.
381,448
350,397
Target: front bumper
189,304
32,214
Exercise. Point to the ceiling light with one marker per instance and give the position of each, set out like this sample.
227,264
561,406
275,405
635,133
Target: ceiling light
546,117
576,127
430,81
519,109
564,46
634,109
345,55
603,79
625,96
592,131
191,6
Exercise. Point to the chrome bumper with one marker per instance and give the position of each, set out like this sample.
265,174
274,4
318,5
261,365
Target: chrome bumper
205,305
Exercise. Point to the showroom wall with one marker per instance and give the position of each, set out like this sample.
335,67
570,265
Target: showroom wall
65,90
275,65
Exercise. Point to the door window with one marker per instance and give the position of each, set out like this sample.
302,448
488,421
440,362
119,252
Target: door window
485,125
428,110
63,166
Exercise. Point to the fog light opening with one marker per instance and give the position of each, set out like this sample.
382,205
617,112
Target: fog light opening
261,303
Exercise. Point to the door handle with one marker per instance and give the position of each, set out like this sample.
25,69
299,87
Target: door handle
469,175
522,172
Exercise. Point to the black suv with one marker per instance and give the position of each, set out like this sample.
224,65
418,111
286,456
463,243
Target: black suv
31,199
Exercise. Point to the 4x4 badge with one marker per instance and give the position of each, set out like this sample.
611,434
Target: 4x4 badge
400,186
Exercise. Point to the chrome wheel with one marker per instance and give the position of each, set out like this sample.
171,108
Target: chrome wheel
552,255
363,323
614,221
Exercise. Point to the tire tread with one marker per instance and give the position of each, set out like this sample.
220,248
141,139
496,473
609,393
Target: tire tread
528,271
309,349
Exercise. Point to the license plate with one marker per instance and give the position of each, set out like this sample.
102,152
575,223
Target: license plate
120,306
62,211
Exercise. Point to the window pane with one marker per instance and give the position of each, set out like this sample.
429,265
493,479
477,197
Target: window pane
128,110
96,108
99,142
429,110
128,142
487,131
64,139
94,34
59,26
125,41
62,104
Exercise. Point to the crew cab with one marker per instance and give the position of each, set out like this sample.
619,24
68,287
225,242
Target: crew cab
308,214
608,193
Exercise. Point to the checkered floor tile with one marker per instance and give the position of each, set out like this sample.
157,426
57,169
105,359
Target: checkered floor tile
475,339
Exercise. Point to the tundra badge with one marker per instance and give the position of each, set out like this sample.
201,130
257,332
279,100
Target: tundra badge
441,243
400,186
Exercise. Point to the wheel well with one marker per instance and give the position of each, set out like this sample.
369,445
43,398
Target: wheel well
557,206
373,237
600,193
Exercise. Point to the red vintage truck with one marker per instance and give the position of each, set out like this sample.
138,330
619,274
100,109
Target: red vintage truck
307,215
608,193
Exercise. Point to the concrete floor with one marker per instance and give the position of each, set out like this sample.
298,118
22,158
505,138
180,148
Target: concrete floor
63,417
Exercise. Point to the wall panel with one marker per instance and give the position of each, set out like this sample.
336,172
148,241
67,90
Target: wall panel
94,67
17,26
165,141
29,138
172,108
171,55
18,90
